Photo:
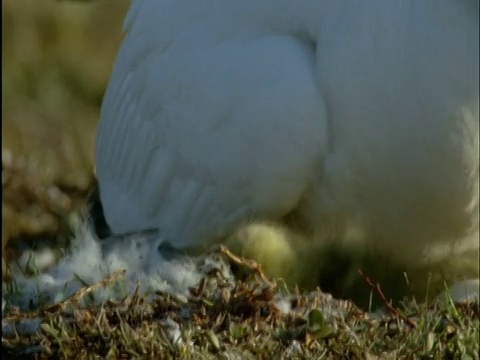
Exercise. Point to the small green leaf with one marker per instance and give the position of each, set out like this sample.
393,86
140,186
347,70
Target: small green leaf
209,303
316,327
238,331
49,330
213,339
315,320
321,333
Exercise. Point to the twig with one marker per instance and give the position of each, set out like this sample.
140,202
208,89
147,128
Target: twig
252,265
16,315
76,296
381,295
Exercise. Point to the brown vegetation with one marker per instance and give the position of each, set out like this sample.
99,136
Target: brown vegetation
57,58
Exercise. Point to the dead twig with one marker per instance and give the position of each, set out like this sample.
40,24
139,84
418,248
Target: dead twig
394,311
251,265
76,296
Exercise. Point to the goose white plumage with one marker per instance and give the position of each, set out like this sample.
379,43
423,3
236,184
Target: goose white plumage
221,112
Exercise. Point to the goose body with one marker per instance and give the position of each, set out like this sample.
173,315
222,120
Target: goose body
222,112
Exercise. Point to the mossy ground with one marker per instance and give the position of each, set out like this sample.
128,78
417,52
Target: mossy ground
240,319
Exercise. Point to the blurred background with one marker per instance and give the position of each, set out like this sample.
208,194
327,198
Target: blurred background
57,58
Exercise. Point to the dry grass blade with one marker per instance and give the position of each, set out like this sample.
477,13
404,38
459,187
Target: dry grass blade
79,294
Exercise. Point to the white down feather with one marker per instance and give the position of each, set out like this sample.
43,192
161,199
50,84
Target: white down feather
222,112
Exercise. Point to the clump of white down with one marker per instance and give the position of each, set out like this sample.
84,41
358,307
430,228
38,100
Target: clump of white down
90,260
